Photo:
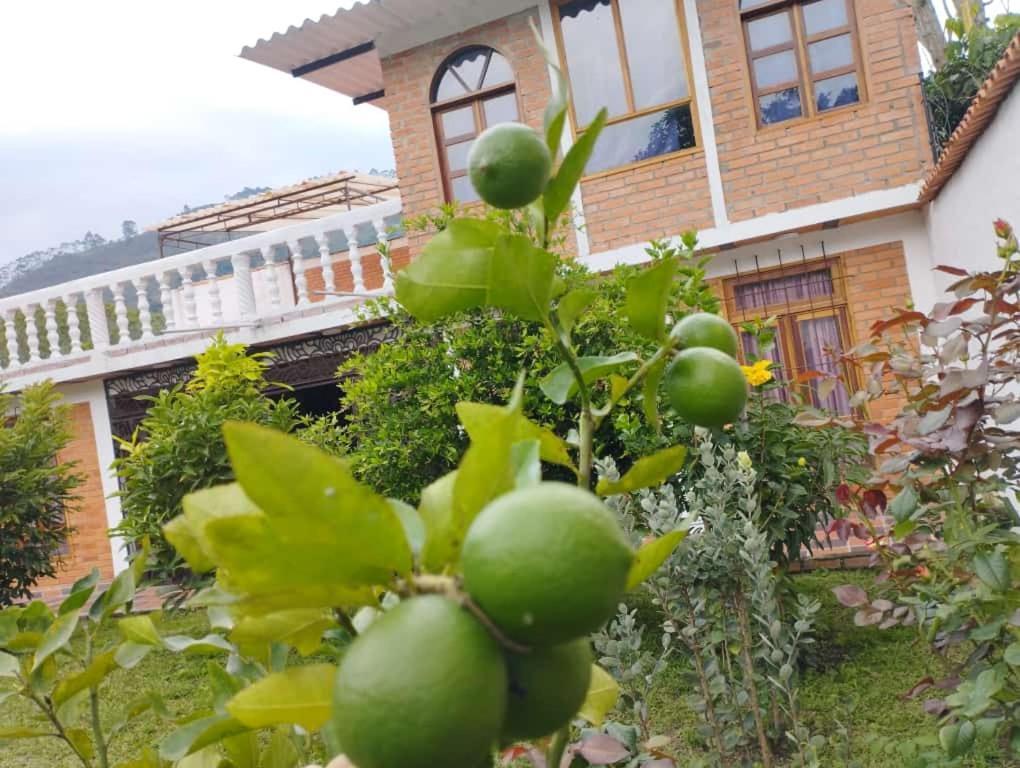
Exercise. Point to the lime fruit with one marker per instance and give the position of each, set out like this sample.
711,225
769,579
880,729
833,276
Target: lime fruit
509,165
706,387
425,685
547,563
547,687
706,330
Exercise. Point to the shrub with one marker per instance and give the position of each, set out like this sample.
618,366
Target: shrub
36,488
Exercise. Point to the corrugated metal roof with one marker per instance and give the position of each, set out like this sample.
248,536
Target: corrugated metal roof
393,25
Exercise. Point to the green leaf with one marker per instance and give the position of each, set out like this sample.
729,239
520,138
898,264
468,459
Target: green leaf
993,570
301,628
198,734
9,666
560,385
650,395
209,757
82,741
297,696
648,294
904,504
651,555
957,739
120,592
18,732
187,532
90,677
556,108
561,186
128,655
572,306
436,510
525,463
1012,654
647,472
617,387
603,691
55,638
80,592
472,264
209,645
140,630
414,527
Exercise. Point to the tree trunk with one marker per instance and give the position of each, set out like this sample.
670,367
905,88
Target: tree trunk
929,31
971,12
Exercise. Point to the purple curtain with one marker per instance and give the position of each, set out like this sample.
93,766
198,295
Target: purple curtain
822,346
788,289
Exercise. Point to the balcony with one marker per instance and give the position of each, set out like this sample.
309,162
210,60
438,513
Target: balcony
265,287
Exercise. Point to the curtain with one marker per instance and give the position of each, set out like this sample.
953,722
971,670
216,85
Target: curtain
821,346
788,289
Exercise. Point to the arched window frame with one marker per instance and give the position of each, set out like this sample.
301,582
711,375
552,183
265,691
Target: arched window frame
474,98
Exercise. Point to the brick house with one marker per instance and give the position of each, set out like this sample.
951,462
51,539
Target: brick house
790,133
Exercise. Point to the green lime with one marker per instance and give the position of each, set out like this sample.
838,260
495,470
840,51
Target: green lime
547,687
706,387
509,165
706,330
424,686
547,563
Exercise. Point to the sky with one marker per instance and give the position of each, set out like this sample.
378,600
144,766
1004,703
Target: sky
130,109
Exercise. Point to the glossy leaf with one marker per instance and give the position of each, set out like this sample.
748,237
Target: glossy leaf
652,555
301,628
993,569
476,417
187,532
556,108
436,510
572,306
560,385
648,295
297,696
55,638
650,395
9,666
647,472
90,677
561,186
603,691
80,592
1012,654
128,655
140,630
198,734
210,645
525,463
414,527
904,504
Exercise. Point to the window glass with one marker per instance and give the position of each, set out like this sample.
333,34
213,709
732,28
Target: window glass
803,286
450,87
498,72
830,54
746,5
501,109
775,69
769,31
651,35
458,122
593,59
836,92
457,154
463,190
642,138
823,15
468,65
780,106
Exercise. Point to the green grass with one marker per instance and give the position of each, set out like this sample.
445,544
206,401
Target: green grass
863,666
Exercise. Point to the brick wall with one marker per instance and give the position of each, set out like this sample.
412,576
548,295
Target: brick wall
371,270
879,144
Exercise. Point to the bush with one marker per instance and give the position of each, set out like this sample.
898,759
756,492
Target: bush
36,488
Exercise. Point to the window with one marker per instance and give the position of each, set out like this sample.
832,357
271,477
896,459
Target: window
813,327
629,56
472,90
802,56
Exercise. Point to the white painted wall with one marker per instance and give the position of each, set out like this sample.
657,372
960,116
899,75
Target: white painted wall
986,187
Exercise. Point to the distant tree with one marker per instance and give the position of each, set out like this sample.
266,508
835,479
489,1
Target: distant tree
92,240
128,229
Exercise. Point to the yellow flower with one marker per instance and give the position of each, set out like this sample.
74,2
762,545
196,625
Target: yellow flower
801,462
758,373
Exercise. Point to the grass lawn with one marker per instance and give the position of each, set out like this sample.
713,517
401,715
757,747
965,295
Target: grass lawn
865,666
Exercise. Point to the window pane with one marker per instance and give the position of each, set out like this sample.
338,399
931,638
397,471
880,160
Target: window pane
463,191
823,15
469,64
499,71
501,109
651,34
769,31
593,58
788,289
821,348
775,69
780,106
456,155
831,54
836,92
458,122
643,137
449,87
746,5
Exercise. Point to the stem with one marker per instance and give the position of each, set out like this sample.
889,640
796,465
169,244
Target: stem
61,733
585,457
557,747
97,728
345,621
639,376
699,666
752,688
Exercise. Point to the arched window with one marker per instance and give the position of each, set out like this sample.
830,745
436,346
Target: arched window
472,90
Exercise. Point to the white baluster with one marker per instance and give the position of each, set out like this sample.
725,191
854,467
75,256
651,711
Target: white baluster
245,289
190,307
384,260
95,307
120,314
326,260
144,311
272,279
73,329
354,256
50,332
215,302
32,333
11,332
299,266
166,298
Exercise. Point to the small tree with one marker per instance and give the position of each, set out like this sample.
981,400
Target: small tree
36,488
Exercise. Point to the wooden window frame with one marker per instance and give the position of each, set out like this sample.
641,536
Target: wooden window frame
806,79
628,88
476,100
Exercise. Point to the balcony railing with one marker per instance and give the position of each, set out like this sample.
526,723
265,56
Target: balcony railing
241,283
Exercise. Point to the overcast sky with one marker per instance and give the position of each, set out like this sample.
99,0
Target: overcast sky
130,109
